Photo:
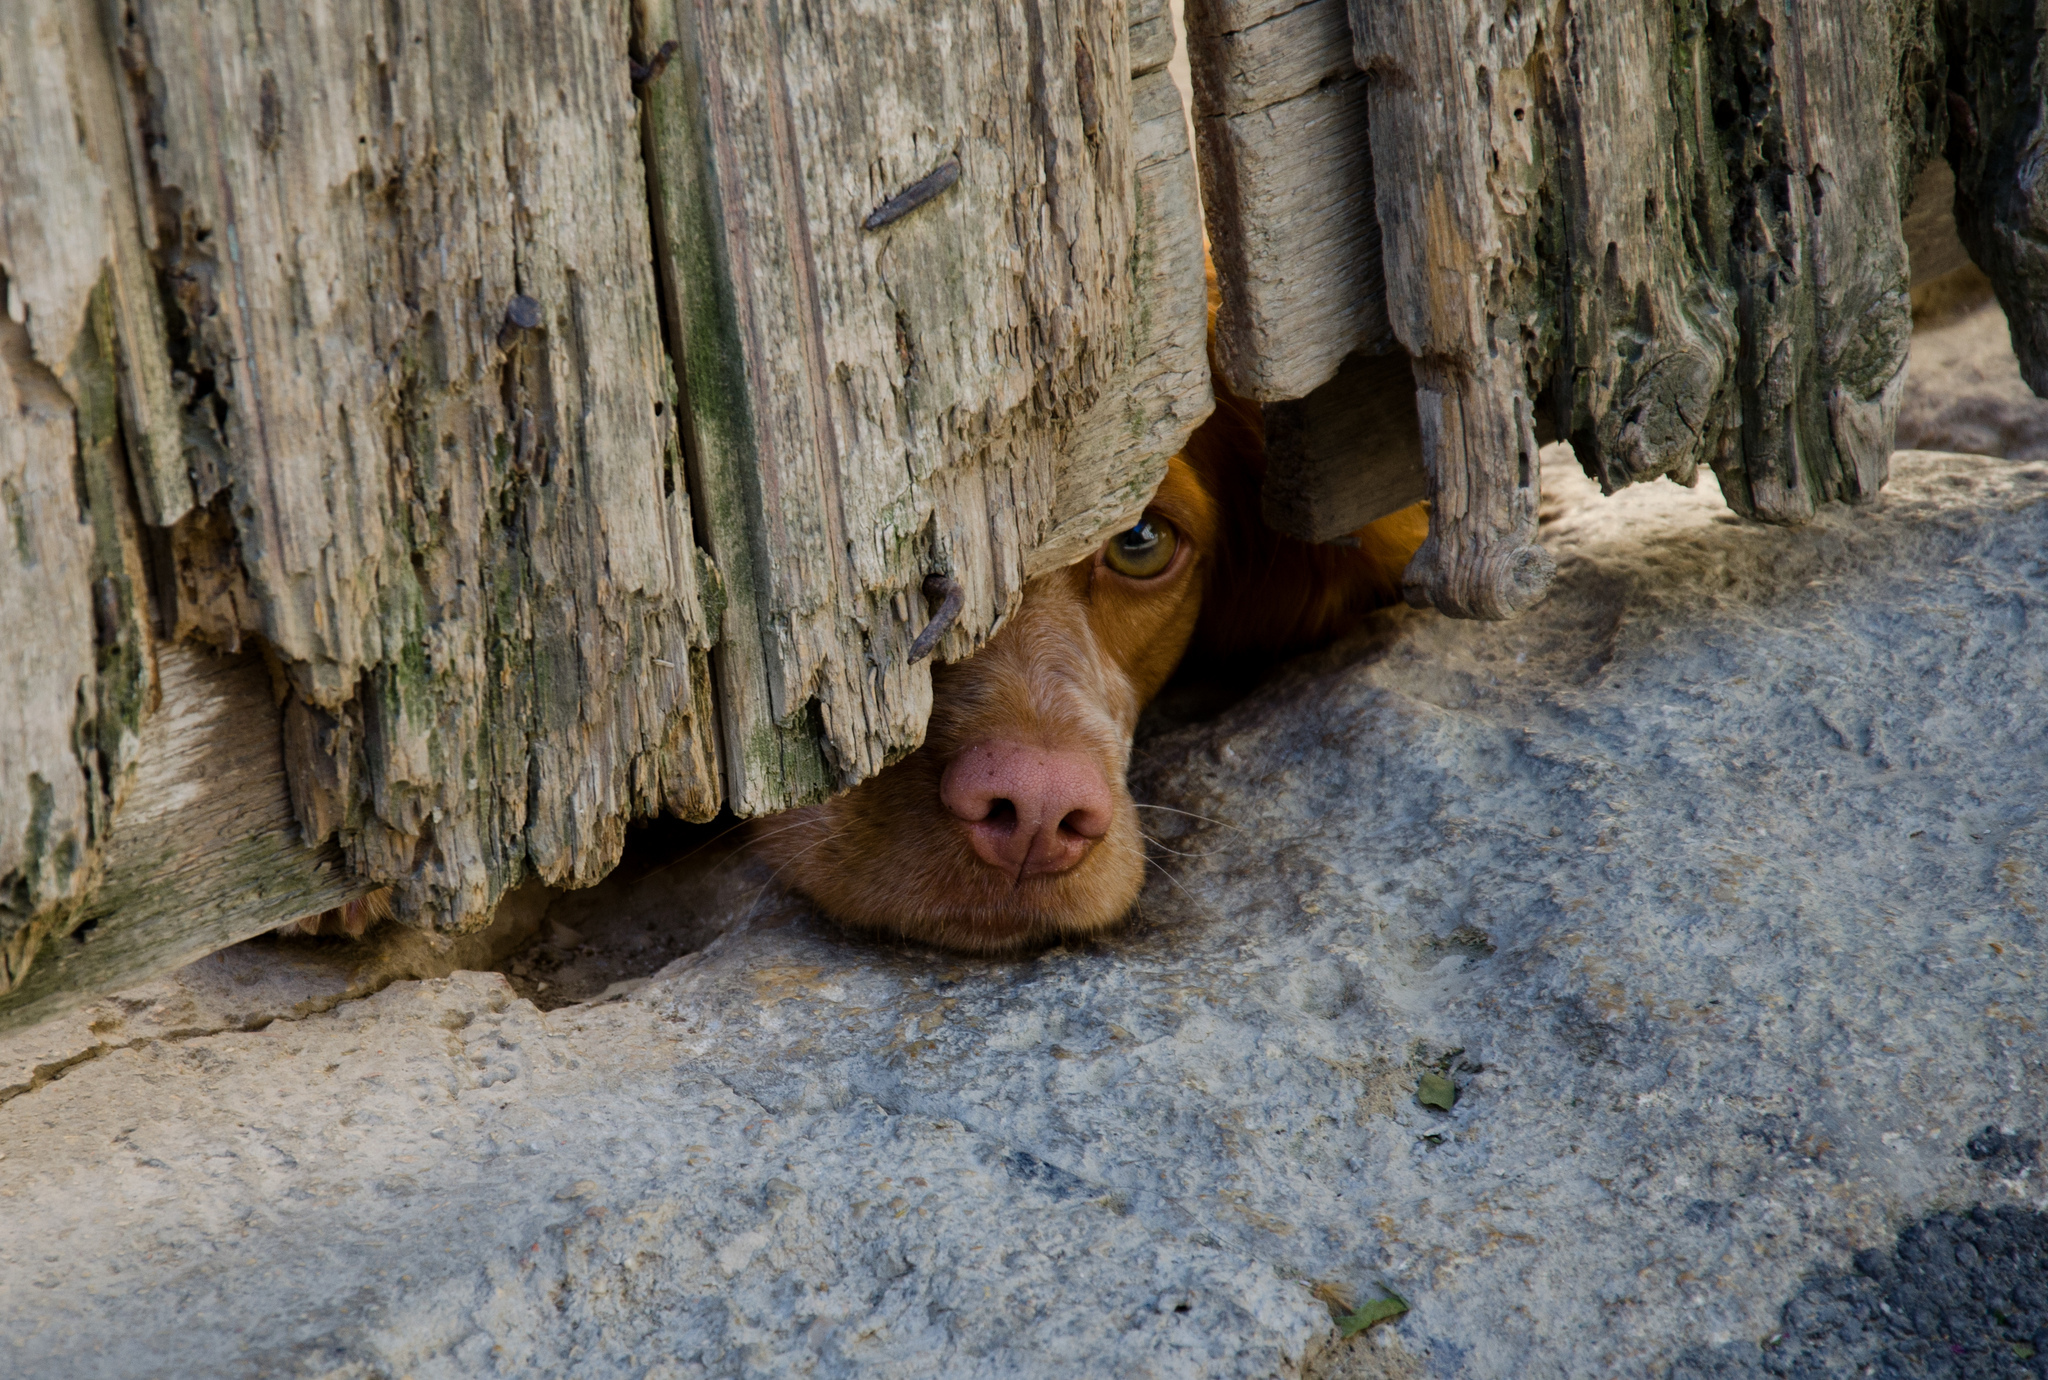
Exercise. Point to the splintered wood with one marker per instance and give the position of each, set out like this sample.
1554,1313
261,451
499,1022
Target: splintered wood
468,545
208,851
75,683
989,345
571,436
1667,232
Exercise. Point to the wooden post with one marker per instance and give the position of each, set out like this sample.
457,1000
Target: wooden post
1990,109
1280,115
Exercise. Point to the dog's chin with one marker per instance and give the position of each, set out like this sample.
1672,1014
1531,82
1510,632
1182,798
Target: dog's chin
924,882
1092,899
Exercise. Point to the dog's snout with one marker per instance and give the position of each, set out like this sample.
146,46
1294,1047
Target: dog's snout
1028,811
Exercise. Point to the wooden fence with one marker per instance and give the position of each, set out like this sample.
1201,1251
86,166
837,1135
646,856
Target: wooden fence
437,434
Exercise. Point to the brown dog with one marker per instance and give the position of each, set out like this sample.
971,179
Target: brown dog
1012,827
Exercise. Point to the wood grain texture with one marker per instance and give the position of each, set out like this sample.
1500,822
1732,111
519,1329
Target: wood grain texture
1673,228
1152,37
1453,136
1115,453
469,546
73,602
1748,305
1649,330
1347,454
1287,190
1820,261
363,298
870,407
206,850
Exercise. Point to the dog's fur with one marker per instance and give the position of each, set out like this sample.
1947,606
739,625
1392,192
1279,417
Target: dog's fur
1062,681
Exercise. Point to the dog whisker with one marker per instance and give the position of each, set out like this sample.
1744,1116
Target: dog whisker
1206,853
1193,899
746,847
1038,725
716,838
787,863
762,836
1206,819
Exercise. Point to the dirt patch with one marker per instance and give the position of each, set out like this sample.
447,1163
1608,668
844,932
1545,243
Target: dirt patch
669,896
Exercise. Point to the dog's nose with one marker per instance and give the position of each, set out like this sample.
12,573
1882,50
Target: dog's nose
1027,810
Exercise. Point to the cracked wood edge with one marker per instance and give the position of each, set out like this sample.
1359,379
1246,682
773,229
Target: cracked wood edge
77,351
469,545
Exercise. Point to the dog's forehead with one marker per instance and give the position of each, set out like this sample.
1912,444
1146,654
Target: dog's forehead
1185,501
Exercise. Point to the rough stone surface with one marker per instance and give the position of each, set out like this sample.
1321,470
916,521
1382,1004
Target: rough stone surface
1714,885
1965,1296
249,985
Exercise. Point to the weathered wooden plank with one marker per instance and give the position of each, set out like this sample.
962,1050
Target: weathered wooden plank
1649,328
1674,227
1823,363
1453,144
206,850
468,541
152,421
1117,450
1680,225
917,393
1287,187
1347,454
1152,38
72,597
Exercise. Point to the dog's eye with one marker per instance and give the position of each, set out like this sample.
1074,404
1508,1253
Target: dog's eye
1144,551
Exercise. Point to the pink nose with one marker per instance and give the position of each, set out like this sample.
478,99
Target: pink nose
1028,811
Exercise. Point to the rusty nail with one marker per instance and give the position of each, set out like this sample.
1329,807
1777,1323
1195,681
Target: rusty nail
914,196
951,597
522,313
644,73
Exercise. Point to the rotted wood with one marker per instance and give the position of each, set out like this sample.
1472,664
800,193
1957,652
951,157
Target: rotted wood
1668,232
347,321
429,423
895,369
79,347
206,850
1287,186
1675,228
1456,159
